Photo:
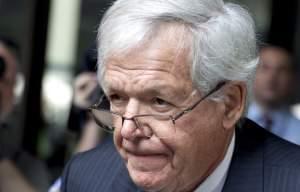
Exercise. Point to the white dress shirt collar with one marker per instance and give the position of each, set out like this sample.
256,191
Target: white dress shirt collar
215,181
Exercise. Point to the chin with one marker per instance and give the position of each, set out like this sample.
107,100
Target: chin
161,180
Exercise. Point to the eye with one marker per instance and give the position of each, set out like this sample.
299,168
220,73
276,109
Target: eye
116,99
161,102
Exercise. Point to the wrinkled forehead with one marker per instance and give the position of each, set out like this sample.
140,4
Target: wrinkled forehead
167,49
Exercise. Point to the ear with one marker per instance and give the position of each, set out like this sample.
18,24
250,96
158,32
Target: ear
234,101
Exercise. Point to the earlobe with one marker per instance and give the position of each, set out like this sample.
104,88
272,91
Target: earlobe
234,100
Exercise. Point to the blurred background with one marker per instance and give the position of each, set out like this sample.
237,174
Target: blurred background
52,38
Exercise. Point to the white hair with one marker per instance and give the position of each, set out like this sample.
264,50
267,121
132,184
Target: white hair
223,43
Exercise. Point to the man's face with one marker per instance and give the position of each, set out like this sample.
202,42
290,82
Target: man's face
155,79
7,82
273,77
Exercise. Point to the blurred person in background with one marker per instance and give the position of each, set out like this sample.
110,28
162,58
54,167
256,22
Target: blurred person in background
273,88
86,92
19,171
8,73
85,88
89,133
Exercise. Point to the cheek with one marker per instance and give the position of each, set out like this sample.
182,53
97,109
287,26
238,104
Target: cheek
203,121
198,135
285,83
259,81
118,140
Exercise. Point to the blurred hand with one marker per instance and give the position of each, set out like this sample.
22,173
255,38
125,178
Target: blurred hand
85,84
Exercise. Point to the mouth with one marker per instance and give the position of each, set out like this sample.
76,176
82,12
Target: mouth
147,162
144,156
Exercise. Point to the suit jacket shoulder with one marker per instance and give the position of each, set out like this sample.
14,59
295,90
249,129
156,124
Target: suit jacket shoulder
263,162
100,169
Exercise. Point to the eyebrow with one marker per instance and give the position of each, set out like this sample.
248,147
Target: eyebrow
153,89
160,89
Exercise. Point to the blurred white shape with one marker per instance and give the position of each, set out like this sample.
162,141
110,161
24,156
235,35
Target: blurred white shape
19,87
296,111
57,91
63,32
57,97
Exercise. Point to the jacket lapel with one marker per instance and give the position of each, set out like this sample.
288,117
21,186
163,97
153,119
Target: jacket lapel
246,170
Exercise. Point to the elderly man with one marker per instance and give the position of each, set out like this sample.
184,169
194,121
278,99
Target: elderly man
273,86
176,74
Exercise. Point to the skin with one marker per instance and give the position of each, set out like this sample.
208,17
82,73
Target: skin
7,83
274,78
153,79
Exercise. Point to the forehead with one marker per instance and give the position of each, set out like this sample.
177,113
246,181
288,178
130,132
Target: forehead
163,59
275,57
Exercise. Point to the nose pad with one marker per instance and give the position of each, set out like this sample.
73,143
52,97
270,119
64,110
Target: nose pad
143,127
133,128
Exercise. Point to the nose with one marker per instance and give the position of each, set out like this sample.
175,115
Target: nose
133,128
129,129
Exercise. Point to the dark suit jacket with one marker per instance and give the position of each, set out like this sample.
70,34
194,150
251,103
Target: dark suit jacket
262,162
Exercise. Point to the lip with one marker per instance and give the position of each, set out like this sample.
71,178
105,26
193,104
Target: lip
147,163
144,156
144,153
143,149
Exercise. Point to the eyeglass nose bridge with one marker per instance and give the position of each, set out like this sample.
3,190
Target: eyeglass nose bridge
137,125
134,119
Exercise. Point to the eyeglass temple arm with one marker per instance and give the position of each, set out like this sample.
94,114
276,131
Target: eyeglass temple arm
96,105
219,86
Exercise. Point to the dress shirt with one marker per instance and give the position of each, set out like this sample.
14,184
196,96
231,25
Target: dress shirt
215,181
284,124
